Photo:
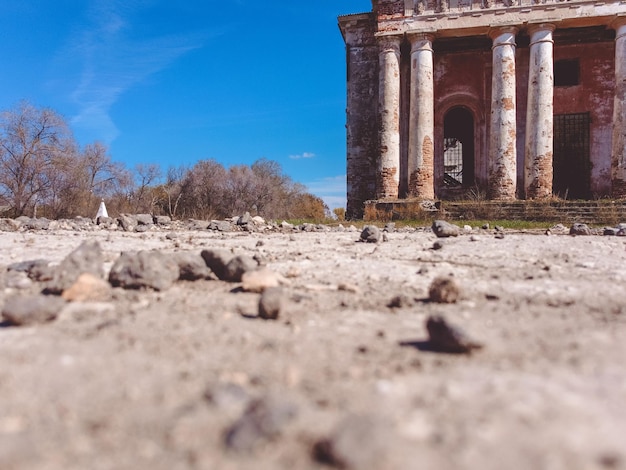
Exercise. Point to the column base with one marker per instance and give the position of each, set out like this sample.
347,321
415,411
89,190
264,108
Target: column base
387,184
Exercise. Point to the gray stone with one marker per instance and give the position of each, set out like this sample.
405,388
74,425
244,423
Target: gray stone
36,224
144,269
37,270
81,223
559,228
17,280
359,442
371,234
237,266
87,258
105,222
191,266
162,220
444,290
401,301
143,228
244,219
216,260
438,245
447,338
271,303
194,224
227,396
32,309
9,225
610,231
128,223
579,229
144,219
389,227
221,226
262,421
444,229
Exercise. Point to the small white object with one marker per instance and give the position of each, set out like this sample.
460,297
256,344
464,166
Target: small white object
102,211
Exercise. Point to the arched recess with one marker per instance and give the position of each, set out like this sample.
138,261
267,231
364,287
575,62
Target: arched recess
459,122
458,147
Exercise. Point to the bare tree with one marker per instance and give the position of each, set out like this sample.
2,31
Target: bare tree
145,177
88,177
202,190
31,140
173,189
240,192
103,175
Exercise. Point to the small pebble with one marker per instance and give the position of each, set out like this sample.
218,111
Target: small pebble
271,303
371,234
31,309
444,229
88,288
259,280
444,290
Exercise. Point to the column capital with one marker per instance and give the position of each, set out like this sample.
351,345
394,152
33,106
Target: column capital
540,32
389,42
416,37
496,31
535,27
619,25
421,41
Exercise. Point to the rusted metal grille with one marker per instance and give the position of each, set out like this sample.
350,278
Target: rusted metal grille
572,165
453,162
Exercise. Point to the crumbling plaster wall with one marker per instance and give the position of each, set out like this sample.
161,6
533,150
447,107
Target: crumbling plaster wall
594,95
361,113
463,79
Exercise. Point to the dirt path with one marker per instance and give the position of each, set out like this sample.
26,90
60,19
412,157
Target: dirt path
189,378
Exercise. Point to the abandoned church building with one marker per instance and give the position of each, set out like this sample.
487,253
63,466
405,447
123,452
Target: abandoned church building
512,98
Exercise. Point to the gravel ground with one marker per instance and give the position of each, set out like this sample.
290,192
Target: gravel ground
190,377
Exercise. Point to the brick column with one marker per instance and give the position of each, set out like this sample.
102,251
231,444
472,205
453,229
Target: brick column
618,154
421,118
502,154
539,116
388,175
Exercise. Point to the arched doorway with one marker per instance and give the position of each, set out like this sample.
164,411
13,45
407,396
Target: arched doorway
458,149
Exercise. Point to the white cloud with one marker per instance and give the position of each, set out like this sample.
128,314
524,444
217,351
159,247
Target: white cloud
303,155
110,62
331,189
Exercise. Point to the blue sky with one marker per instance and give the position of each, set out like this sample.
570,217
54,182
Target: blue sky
168,82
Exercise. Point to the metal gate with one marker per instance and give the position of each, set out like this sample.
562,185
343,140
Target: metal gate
572,165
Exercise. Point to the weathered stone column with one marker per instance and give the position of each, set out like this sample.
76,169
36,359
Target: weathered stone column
502,154
539,115
421,118
388,176
618,154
